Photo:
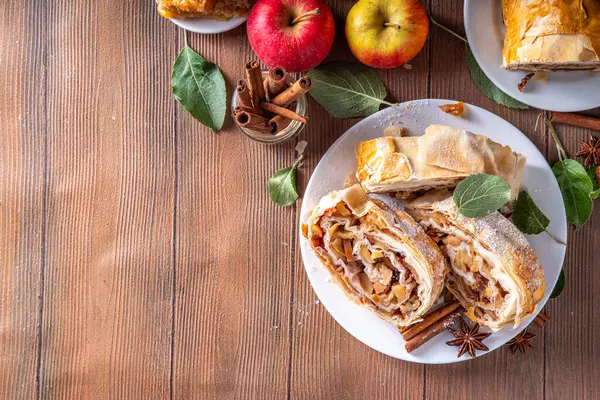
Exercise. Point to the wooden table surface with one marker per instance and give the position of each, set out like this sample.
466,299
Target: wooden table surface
141,257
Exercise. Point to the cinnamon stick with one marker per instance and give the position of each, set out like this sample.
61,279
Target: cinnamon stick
255,82
278,123
574,119
250,110
284,112
243,94
433,330
541,319
429,320
276,81
266,88
252,121
292,93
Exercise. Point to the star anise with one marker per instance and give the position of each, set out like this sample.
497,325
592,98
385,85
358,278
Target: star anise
468,338
589,151
521,342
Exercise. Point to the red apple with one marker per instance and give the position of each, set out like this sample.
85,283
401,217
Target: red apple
294,34
386,34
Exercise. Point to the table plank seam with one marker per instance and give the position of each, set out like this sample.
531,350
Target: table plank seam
174,255
291,318
39,388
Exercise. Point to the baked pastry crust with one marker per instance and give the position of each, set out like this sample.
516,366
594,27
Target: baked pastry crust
544,35
382,260
439,159
494,272
217,9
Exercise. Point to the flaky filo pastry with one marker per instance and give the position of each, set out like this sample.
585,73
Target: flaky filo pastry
494,272
441,158
381,259
544,35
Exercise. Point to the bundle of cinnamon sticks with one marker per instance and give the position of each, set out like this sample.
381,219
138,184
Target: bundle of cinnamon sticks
266,105
432,325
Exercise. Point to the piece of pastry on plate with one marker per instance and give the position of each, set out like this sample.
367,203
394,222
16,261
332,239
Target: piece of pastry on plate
494,272
382,260
441,158
217,9
543,35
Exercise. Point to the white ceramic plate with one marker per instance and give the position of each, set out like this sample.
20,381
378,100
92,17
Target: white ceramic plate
339,161
208,25
564,91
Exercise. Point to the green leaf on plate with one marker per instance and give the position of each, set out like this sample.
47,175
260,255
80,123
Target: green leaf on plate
481,194
576,188
527,216
282,185
199,87
593,173
487,87
347,90
560,285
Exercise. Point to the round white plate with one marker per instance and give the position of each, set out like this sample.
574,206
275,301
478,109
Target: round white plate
209,25
564,91
339,161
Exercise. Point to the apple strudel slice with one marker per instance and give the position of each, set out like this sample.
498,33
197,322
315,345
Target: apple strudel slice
218,9
494,272
543,35
441,158
382,260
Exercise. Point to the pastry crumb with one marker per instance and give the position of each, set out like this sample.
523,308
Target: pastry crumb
457,109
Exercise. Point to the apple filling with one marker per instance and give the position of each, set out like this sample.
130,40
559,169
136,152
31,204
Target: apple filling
473,278
363,259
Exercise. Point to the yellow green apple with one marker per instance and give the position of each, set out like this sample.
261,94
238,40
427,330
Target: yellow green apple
386,33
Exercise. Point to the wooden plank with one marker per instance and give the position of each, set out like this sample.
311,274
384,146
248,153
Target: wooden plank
499,374
327,362
572,350
108,277
234,252
22,161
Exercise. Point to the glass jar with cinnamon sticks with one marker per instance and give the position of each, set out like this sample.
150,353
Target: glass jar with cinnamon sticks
268,106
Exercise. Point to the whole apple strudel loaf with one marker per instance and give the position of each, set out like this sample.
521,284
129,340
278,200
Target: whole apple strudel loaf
218,9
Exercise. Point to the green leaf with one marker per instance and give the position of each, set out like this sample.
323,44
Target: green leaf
576,188
487,87
560,285
527,216
200,88
282,185
481,194
592,174
347,90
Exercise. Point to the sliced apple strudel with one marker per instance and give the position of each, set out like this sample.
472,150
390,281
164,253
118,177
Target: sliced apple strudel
494,272
381,259
441,158
543,35
217,9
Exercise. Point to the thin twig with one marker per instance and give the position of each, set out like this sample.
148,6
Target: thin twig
562,154
185,35
450,31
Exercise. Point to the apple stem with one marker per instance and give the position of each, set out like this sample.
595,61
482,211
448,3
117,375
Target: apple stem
302,17
450,31
392,24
